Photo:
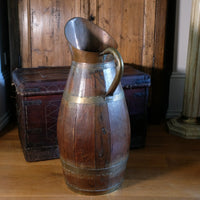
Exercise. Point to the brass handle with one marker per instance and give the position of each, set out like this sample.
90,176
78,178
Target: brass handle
119,69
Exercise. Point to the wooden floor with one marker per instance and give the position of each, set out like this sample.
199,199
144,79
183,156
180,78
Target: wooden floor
168,168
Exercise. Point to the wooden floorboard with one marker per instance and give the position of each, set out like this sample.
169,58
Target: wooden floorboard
168,168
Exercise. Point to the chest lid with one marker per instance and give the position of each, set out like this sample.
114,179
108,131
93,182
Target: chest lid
52,80
134,78
40,81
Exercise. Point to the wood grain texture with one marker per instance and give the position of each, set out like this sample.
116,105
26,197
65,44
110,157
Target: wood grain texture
138,26
93,135
148,33
48,43
24,27
166,169
160,28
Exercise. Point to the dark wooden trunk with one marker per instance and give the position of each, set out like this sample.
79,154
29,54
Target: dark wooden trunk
39,92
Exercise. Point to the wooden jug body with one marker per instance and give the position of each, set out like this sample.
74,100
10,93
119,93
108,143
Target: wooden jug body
93,125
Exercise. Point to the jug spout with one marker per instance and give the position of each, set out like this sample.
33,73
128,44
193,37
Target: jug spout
87,40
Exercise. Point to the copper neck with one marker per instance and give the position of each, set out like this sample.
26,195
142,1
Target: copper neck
84,56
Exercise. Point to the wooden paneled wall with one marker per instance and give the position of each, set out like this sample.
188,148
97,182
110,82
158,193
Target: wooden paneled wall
137,25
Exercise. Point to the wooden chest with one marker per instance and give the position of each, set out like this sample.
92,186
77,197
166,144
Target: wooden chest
39,92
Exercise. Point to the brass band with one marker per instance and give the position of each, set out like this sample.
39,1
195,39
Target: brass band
93,99
111,170
93,67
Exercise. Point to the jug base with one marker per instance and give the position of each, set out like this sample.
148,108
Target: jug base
93,192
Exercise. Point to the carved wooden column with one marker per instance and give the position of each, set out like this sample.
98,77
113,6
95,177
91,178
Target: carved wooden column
188,125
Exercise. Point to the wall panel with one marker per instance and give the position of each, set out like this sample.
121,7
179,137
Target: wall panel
132,23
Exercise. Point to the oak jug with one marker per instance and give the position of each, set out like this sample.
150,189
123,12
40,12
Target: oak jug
93,127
